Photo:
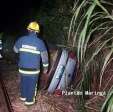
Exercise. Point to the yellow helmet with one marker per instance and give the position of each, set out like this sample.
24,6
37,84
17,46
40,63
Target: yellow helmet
34,26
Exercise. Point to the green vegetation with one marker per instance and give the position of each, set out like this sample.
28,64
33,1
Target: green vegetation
108,104
86,27
55,18
91,36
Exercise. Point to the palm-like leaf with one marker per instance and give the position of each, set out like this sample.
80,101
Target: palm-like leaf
89,18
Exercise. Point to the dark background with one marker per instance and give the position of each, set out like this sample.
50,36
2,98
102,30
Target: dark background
14,14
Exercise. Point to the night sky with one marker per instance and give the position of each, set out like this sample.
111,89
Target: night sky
13,14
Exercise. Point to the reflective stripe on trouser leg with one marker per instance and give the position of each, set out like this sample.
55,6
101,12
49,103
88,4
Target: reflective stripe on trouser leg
35,90
34,97
31,87
23,86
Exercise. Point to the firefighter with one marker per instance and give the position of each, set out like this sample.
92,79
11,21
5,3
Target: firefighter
1,46
32,51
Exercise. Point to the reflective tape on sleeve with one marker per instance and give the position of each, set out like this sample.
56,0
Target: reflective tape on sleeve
29,50
45,65
29,72
15,49
0,56
0,42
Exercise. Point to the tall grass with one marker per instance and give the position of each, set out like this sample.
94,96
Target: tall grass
90,33
108,104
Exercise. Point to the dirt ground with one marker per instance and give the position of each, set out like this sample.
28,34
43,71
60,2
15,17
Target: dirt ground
52,103
45,102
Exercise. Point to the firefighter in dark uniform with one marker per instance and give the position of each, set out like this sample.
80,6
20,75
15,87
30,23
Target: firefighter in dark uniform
31,51
1,46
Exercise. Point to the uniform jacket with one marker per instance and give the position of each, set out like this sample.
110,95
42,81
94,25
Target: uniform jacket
32,51
0,48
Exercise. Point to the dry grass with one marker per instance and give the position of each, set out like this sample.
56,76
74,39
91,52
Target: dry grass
45,102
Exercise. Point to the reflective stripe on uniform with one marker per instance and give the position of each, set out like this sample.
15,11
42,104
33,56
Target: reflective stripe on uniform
29,50
0,48
0,41
45,65
29,103
29,72
29,47
22,99
15,49
0,56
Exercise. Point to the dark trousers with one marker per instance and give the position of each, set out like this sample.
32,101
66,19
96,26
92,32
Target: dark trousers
28,86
